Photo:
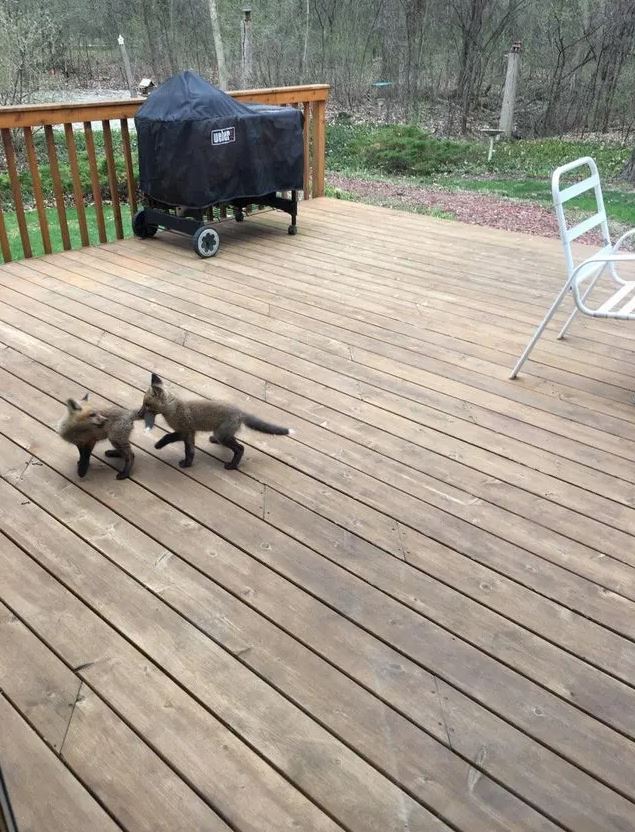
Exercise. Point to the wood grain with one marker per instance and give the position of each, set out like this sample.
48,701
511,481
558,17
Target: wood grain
420,606
43,793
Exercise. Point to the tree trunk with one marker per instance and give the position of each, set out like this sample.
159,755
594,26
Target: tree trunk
470,59
305,46
218,44
629,170
415,11
146,9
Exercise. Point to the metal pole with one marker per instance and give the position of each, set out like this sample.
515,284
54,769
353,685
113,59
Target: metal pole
506,123
126,66
246,57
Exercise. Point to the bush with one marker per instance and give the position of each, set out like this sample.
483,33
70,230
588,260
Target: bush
408,150
343,142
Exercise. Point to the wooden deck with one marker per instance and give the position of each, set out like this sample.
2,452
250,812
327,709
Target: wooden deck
416,614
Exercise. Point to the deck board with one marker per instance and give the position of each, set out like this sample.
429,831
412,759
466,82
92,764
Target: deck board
417,613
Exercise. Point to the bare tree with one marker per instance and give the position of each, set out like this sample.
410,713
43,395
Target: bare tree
218,43
414,15
578,68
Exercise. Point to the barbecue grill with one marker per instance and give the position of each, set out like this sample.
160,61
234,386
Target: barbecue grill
200,149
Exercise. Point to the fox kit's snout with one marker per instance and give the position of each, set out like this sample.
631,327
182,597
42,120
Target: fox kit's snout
186,417
84,425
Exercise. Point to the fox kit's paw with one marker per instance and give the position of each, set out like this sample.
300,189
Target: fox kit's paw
185,463
112,452
213,441
122,475
231,466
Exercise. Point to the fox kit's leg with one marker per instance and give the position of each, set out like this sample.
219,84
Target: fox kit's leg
188,441
225,437
124,451
113,452
168,439
84,458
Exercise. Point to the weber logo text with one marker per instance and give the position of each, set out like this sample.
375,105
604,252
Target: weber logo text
224,136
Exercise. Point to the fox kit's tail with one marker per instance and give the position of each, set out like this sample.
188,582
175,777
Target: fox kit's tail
255,423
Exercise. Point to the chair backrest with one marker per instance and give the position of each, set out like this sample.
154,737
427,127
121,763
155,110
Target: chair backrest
563,195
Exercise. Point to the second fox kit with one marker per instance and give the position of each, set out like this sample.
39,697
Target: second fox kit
84,425
187,416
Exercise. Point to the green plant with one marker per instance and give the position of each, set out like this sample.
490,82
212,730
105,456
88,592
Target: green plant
408,150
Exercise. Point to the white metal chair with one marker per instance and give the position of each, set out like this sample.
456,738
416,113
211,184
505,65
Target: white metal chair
581,278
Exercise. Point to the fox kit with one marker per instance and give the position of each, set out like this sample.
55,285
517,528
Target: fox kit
85,425
185,417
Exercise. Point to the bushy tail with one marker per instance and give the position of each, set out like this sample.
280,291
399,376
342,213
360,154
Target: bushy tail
255,423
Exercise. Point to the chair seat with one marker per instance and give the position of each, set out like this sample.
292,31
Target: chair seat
620,305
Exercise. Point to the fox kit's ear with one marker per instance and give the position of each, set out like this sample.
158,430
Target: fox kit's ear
72,405
85,398
156,381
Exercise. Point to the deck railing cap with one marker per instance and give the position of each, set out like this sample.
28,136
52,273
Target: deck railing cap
37,115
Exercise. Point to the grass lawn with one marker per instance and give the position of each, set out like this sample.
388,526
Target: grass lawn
33,225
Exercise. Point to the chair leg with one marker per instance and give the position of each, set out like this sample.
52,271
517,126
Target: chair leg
541,329
568,323
588,291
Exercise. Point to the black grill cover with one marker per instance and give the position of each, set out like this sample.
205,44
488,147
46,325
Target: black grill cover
199,146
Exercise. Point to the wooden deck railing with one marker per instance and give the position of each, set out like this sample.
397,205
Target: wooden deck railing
67,185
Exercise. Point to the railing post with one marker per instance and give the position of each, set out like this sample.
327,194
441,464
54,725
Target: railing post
36,181
14,181
306,187
126,65
506,121
318,129
5,248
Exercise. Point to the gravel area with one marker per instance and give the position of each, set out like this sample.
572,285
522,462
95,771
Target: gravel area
465,206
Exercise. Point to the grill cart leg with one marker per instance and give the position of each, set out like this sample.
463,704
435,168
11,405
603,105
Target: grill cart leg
293,228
